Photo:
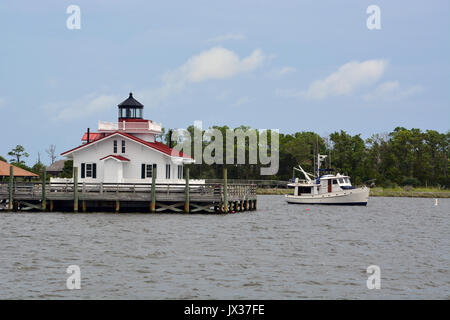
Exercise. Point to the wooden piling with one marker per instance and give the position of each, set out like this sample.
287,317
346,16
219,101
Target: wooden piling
225,190
117,206
44,196
153,204
51,205
75,189
83,206
186,202
10,189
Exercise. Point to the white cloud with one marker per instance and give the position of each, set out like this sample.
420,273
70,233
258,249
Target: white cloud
277,73
241,101
219,63
392,91
228,36
89,104
213,64
347,79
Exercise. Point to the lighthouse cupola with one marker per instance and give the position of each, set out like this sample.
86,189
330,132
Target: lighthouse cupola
130,109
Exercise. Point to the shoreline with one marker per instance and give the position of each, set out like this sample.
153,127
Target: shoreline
374,192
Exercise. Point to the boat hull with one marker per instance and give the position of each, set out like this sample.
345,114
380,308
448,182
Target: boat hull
355,197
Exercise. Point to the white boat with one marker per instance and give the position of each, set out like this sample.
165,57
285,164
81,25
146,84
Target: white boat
326,189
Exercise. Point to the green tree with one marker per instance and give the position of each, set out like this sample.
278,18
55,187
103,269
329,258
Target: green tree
18,152
67,171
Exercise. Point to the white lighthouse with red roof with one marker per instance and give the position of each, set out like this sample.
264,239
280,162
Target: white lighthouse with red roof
126,151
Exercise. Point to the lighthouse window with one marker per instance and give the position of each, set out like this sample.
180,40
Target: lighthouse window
115,146
149,171
123,146
91,170
167,171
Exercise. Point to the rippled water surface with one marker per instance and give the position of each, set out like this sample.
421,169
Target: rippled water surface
280,251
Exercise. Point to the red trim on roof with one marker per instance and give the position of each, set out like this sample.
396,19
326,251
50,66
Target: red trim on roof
92,136
116,157
154,145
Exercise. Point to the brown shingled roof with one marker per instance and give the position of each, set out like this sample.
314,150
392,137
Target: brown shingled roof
17,172
56,166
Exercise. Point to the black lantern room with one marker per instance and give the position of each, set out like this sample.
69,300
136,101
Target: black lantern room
130,109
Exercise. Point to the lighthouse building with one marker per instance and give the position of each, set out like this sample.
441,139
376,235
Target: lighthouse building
126,151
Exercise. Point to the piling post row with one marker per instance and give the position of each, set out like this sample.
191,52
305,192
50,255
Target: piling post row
75,189
186,202
225,190
153,204
44,196
11,186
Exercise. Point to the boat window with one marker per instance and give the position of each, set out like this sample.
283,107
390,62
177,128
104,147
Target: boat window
304,190
347,180
334,181
341,180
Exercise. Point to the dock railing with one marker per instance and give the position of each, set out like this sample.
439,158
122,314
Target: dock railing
34,189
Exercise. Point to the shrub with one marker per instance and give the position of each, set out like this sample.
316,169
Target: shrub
410,181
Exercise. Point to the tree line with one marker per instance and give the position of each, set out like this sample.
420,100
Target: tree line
401,157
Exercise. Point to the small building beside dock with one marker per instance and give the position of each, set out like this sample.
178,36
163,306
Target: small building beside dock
17,171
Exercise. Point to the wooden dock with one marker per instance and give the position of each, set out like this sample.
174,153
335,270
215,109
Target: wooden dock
127,197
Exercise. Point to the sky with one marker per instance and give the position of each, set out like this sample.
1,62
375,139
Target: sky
287,65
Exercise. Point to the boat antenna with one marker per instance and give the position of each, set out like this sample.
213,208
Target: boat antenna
318,155
314,159
329,158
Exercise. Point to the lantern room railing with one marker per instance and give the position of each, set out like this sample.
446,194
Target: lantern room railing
130,126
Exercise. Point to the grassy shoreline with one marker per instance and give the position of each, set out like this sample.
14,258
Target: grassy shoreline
377,192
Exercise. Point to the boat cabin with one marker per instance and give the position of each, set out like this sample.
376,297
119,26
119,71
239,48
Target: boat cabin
328,183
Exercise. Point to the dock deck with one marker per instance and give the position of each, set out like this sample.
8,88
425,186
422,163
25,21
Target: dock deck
125,197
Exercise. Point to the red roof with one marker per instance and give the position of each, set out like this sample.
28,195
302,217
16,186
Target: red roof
92,136
116,157
154,145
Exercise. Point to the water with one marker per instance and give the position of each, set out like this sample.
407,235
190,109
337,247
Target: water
280,251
